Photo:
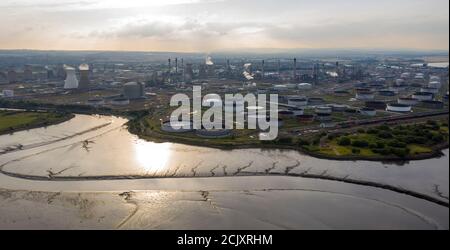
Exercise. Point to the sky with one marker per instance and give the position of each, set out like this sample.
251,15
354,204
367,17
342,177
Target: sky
222,25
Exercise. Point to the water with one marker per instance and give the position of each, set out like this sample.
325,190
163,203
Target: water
439,65
100,146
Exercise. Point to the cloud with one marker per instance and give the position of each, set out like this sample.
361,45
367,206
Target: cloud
223,24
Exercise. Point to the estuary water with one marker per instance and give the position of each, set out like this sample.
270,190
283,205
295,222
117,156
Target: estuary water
191,187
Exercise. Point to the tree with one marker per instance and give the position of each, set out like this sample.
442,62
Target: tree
344,141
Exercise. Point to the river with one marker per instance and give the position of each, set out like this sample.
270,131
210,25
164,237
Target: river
202,188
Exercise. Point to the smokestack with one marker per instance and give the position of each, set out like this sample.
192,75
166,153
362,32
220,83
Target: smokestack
295,69
263,69
170,65
279,68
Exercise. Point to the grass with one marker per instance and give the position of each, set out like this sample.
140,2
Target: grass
11,121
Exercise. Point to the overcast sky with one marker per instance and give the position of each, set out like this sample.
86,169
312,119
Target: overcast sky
211,25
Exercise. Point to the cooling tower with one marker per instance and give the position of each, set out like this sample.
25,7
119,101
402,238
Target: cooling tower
84,76
71,81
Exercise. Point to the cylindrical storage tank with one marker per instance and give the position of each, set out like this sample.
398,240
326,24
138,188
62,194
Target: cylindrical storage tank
435,85
423,96
407,101
324,110
96,102
376,105
341,93
435,79
298,102
133,90
324,117
432,104
386,93
399,82
368,112
285,113
405,75
280,87
429,90
313,101
338,107
364,94
397,89
305,118
176,127
213,133
305,86
291,86
400,108
120,102
297,111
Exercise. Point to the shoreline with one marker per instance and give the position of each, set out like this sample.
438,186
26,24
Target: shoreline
436,150
67,117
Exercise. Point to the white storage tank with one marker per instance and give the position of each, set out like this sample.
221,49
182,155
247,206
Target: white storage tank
305,86
400,108
323,110
7,93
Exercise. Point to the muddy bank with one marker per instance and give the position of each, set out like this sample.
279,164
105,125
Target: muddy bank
250,209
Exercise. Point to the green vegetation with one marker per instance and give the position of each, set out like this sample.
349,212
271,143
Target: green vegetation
404,141
11,121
